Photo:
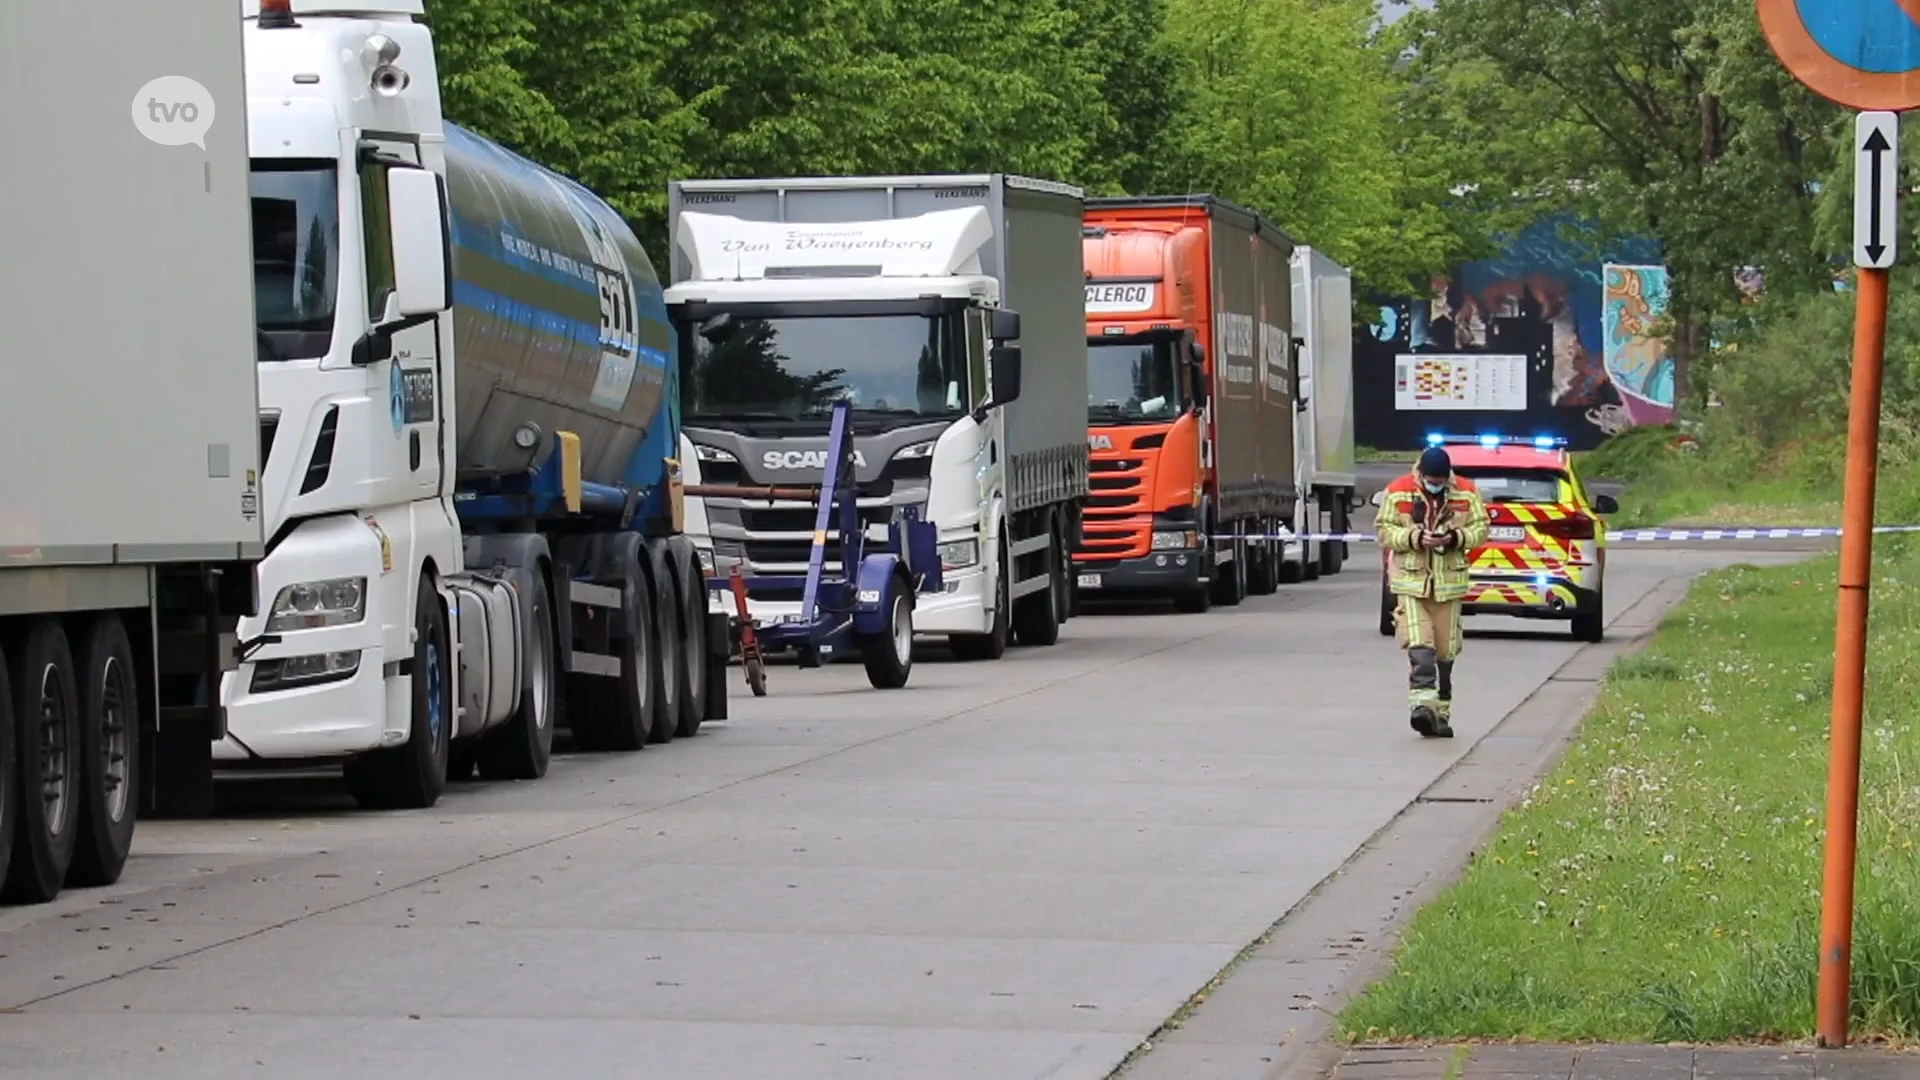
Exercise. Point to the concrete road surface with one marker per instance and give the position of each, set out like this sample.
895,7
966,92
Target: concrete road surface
1004,871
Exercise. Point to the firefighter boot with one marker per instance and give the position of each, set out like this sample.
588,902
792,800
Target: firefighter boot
1422,682
1443,729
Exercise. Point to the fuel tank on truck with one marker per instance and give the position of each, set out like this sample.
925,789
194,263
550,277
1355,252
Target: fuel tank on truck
557,314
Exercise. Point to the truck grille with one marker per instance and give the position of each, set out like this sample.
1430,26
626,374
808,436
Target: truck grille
1116,523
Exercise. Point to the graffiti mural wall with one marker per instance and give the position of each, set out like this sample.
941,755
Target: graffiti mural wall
1574,318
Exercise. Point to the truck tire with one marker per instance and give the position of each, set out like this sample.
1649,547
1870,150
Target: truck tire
1230,584
109,723
670,642
991,645
888,655
412,776
692,582
46,764
618,714
1036,619
523,747
1263,571
1386,610
9,802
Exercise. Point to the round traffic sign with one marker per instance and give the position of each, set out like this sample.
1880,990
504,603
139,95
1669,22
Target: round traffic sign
1864,54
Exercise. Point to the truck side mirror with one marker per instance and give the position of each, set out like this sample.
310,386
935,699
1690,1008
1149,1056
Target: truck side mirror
1378,498
1006,374
1606,504
1196,354
417,229
1006,327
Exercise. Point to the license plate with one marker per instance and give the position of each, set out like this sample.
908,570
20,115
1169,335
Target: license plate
1089,581
1508,533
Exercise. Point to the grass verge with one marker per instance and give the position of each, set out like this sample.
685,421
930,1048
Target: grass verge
1662,884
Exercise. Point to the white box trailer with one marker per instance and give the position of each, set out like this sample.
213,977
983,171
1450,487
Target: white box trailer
887,292
1324,451
129,490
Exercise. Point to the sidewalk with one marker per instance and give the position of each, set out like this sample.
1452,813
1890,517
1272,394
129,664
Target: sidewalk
1622,1063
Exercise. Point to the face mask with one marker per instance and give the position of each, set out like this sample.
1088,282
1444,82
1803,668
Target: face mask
1434,487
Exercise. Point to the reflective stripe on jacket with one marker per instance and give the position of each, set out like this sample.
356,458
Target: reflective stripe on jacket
1406,513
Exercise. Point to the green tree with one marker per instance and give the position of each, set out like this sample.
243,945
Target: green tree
1293,108
1666,118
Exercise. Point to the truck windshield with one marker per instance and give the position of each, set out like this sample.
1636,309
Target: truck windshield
795,368
296,256
1135,382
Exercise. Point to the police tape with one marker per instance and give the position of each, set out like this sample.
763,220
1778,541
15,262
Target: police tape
1694,534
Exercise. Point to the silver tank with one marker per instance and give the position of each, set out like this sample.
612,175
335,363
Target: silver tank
557,314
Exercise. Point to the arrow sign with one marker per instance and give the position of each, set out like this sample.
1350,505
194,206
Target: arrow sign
1876,187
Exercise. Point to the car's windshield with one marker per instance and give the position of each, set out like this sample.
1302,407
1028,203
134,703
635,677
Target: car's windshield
296,255
1132,382
1507,485
796,368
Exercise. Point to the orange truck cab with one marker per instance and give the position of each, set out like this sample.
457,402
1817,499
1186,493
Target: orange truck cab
1190,390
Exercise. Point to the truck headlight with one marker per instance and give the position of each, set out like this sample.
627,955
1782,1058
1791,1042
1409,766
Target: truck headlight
712,453
705,555
959,554
1174,541
917,450
310,605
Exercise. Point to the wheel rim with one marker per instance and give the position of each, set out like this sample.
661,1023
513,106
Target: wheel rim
540,678
902,631
54,710
436,683
116,743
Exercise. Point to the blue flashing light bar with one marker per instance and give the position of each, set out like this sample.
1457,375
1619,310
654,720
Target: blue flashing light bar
1538,442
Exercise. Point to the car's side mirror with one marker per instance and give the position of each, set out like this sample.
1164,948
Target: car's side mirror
1606,504
417,229
1378,498
1006,325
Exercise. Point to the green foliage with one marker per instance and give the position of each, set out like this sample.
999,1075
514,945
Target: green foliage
1293,106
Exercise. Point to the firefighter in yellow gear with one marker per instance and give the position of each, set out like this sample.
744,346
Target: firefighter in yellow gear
1429,521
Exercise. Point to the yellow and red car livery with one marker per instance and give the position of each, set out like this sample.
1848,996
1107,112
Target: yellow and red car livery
1546,550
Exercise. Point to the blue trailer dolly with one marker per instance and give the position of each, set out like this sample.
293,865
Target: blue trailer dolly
866,605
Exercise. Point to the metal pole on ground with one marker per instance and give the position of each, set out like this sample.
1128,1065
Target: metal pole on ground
1876,148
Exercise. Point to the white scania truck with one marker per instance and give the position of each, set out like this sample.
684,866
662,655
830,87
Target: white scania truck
130,508
889,293
1323,432
468,479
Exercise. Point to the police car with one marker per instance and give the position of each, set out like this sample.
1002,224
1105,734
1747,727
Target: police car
1546,550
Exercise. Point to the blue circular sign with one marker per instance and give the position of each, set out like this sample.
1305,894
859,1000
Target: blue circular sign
1864,54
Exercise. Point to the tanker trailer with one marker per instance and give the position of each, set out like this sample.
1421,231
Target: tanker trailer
467,434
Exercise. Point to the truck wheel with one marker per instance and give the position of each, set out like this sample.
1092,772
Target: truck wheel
109,718
693,650
1263,572
888,655
412,776
670,643
523,748
9,805
1386,610
46,765
1230,586
619,714
991,645
1037,620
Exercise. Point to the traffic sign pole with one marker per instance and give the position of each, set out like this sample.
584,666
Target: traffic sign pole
1839,49
1850,660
